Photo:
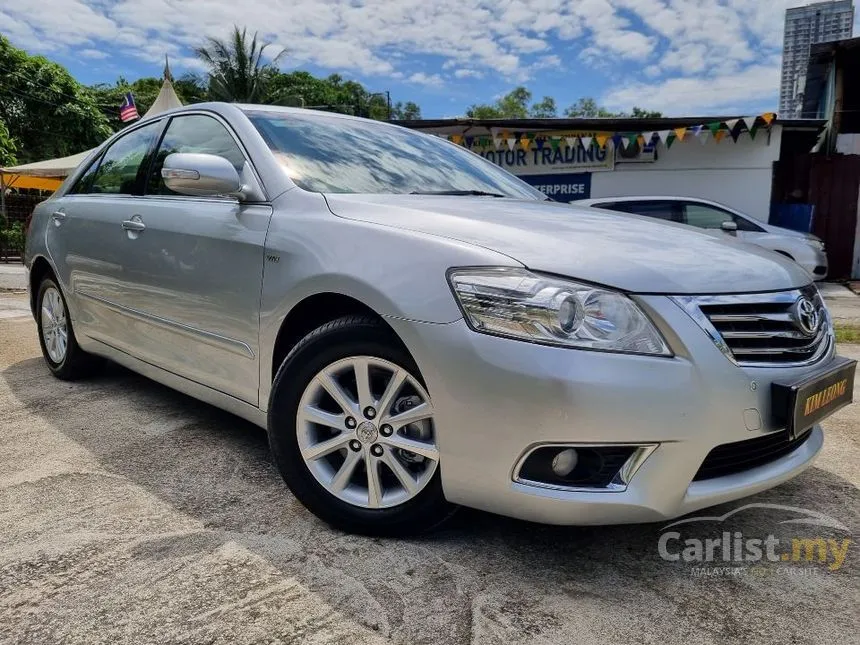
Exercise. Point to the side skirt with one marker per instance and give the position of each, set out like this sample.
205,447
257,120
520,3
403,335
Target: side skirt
191,388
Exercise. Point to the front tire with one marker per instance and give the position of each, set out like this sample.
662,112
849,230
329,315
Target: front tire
63,355
351,430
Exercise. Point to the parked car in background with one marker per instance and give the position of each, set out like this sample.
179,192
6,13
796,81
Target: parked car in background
804,248
417,328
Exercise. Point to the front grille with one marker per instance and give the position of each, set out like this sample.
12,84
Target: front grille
739,456
764,328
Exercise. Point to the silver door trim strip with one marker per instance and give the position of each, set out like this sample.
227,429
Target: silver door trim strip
211,338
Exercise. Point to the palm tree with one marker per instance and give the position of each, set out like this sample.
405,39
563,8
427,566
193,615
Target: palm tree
236,70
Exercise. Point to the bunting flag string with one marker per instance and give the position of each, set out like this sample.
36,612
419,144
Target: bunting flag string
499,139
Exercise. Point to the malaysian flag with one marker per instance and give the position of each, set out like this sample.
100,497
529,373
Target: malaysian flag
128,110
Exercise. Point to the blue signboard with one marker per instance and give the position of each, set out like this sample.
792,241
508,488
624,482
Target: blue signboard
562,187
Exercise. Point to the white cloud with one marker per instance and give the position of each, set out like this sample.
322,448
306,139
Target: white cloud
432,80
92,53
726,93
468,73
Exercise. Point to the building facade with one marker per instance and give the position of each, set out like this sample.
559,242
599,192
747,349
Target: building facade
805,26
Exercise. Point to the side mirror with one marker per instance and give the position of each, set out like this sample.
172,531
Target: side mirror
200,175
729,227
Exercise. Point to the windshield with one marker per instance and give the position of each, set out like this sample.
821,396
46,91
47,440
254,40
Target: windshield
329,154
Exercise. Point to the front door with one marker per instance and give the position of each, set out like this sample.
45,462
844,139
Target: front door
194,268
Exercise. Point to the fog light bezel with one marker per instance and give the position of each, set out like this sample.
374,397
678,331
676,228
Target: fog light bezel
618,484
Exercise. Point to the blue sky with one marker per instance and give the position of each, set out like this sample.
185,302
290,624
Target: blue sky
683,57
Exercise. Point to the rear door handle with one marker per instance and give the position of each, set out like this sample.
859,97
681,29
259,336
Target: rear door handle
133,225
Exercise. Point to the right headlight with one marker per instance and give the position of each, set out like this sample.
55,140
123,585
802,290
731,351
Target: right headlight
517,303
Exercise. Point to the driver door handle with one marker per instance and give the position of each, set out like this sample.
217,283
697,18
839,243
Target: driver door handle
133,225
58,216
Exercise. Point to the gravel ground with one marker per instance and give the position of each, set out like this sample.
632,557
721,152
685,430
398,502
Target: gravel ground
130,513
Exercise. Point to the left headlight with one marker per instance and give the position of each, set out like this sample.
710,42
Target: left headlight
517,303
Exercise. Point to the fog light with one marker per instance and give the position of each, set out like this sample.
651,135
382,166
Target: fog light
564,462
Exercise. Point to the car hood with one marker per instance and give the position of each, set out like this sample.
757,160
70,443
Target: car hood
628,252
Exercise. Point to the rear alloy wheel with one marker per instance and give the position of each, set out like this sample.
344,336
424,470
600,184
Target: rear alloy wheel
352,431
64,357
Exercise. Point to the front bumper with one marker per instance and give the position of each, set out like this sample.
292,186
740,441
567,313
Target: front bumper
495,398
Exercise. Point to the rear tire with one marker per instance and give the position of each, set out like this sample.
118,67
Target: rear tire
60,349
355,474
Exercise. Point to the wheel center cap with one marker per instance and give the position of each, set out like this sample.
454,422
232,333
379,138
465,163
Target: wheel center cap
366,432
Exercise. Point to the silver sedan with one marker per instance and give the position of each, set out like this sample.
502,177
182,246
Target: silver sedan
418,329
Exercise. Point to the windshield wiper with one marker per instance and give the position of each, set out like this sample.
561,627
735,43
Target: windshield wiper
479,193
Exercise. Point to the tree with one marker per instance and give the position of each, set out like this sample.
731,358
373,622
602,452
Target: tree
545,109
408,111
236,68
513,105
46,112
640,113
7,147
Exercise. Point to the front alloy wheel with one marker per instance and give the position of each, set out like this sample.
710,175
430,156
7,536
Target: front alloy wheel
351,427
365,432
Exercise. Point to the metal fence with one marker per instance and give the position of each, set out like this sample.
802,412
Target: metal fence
13,222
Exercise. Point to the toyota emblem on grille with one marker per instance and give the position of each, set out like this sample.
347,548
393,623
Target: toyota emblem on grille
806,316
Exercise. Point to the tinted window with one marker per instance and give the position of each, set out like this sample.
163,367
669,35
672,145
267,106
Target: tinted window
332,154
657,209
707,216
193,133
118,171
85,181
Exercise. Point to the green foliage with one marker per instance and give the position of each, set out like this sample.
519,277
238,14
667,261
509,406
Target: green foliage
587,108
513,105
46,112
7,147
12,238
545,109
236,69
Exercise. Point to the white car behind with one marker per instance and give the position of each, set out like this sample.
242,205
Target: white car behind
804,248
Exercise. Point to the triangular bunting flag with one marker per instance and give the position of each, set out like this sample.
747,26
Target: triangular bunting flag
554,141
525,143
767,117
749,122
497,142
680,132
670,139
696,130
640,139
703,136
663,135
470,141
571,141
735,133
731,123
718,135
714,127
457,138
601,140
753,131
511,143
586,142
625,141
540,142
617,139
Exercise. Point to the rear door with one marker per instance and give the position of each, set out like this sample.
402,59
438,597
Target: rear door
711,218
86,237
193,270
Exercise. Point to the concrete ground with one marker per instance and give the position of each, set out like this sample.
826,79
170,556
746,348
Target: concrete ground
13,276
130,513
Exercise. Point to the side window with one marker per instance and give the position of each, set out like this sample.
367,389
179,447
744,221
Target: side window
657,209
117,173
193,133
85,181
704,216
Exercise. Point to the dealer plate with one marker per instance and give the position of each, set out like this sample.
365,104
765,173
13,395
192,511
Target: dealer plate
802,404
